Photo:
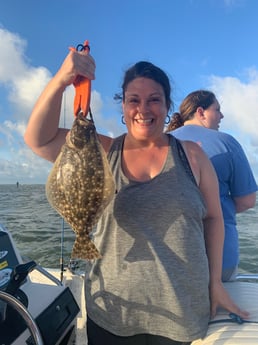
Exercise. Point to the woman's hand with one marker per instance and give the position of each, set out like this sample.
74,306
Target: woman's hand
76,63
219,297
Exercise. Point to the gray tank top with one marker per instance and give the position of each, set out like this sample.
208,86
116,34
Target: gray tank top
153,277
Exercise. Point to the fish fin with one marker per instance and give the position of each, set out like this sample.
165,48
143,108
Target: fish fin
84,249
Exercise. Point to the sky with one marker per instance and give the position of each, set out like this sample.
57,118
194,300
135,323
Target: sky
210,44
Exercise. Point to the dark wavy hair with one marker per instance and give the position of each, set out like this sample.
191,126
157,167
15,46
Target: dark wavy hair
147,70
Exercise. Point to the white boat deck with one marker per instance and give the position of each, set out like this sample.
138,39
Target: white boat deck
245,294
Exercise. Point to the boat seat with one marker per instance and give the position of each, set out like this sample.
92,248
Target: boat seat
225,332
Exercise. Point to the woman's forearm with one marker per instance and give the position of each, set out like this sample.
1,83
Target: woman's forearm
214,238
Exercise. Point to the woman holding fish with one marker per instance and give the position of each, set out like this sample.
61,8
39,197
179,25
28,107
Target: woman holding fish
158,280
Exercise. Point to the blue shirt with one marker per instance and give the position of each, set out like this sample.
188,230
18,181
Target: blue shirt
234,175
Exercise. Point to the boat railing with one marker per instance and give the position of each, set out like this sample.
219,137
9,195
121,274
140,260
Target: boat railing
247,277
48,275
44,272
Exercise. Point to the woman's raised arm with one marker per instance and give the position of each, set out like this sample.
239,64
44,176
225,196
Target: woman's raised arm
43,134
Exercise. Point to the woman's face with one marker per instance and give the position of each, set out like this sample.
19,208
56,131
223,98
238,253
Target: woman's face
212,116
144,108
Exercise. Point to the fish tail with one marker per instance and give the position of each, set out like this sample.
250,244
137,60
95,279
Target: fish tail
84,250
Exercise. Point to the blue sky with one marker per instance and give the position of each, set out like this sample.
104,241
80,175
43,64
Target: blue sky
209,44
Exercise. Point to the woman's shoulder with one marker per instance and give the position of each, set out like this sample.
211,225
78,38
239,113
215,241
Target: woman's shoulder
230,142
191,147
108,142
105,141
195,155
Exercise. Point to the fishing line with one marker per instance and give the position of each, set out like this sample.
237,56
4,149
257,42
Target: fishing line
62,220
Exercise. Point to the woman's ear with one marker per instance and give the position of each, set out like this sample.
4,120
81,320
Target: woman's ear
200,112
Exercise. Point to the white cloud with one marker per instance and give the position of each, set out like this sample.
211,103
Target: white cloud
24,166
239,101
12,55
27,87
24,84
239,105
14,127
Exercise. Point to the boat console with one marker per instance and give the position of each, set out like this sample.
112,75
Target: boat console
32,312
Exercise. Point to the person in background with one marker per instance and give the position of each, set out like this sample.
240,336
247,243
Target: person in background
198,120
162,235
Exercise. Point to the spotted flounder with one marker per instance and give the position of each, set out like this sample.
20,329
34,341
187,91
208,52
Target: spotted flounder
80,185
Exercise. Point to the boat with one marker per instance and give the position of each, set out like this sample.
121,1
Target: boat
229,329
37,307
40,306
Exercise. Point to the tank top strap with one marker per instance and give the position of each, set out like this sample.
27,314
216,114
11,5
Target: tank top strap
184,159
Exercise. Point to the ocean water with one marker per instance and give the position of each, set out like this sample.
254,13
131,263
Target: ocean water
36,228
41,234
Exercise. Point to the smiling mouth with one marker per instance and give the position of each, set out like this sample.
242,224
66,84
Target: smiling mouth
144,122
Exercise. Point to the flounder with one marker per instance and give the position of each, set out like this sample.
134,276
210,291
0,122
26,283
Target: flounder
81,185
